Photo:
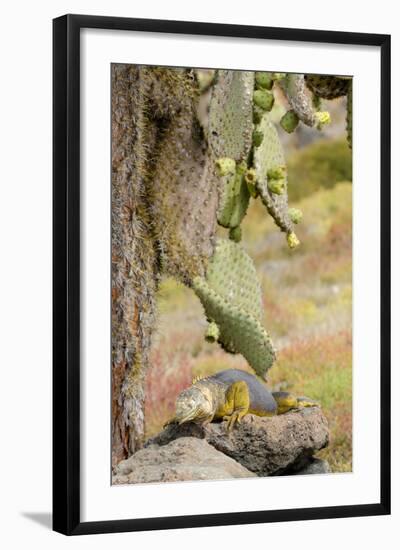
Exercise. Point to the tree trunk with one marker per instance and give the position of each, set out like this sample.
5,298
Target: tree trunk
134,261
164,201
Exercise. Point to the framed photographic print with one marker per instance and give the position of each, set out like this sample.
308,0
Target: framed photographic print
221,274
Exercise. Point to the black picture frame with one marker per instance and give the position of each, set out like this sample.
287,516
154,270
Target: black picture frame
66,273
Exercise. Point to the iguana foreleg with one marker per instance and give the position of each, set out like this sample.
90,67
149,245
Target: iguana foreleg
237,403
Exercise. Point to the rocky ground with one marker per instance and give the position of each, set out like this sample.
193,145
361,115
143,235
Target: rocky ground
280,445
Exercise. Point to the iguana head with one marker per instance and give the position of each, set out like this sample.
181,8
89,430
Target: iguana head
193,405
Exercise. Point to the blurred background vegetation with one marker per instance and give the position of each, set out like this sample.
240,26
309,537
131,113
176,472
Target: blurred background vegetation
307,294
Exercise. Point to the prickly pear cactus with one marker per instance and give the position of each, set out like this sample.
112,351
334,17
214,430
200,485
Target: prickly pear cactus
184,190
231,297
230,138
189,151
269,161
230,116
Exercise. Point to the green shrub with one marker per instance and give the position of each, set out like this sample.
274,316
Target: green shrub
320,165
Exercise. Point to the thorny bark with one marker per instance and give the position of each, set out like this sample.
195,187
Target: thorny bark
134,262
164,201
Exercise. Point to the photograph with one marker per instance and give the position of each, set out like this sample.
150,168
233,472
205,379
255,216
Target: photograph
231,274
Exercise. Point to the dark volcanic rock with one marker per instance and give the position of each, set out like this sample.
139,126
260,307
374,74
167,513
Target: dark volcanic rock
184,459
310,466
265,446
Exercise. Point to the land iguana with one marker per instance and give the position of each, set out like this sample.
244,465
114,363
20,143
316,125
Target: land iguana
230,395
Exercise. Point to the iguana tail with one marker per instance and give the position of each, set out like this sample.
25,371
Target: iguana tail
287,401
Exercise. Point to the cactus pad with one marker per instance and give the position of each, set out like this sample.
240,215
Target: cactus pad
183,191
326,86
299,97
269,159
231,297
231,113
234,199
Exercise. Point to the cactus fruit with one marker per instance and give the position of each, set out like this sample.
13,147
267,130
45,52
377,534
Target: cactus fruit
349,115
257,138
269,159
250,178
264,99
322,118
299,97
231,115
296,215
231,297
235,234
225,166
277,172
212,333
292,240
289,121
264,80
277,187
326,86
276,178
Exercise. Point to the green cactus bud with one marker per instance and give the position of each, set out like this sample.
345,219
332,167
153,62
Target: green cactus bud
225,166
257,138
289,121
295,214
277,187
251,179
241,168
264,99
212,333
264,80
235,234
277,172
278,76
322,118
292,240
